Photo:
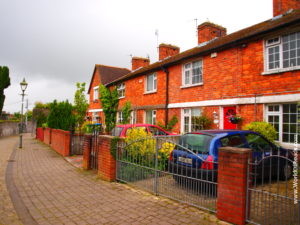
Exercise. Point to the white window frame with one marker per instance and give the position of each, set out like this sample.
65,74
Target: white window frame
153,116
121,90
280,114
120,117
133,117
187,112
154,84
96,93
189,84
278,43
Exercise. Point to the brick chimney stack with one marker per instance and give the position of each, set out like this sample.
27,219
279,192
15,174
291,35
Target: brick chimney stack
166,50
207,31
282,6
138,62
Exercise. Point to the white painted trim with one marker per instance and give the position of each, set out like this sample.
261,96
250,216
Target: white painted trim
239,101
96,110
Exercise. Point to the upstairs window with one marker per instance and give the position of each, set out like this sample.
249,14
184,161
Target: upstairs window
121,90
151,83
283,53
96,93
192,73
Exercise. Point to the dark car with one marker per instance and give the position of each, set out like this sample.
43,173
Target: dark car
122,129
196,155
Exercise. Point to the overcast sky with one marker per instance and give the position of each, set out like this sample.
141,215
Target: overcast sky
56,43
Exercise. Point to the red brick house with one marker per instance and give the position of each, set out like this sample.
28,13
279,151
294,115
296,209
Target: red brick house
102,75
254,73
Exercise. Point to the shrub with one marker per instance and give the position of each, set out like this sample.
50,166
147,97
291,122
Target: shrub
61,115
141,149
264,128
171,123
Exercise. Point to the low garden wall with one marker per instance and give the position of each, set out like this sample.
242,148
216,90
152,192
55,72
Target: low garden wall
9,128
59,140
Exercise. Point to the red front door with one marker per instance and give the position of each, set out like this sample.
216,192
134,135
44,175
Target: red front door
227,113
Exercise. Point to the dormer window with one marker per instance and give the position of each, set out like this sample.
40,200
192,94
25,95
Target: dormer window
283,53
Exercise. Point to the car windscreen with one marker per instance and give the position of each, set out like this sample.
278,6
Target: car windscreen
198,143
117,131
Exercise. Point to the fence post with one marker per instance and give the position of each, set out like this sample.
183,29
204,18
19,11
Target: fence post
232,184
87,152
106,161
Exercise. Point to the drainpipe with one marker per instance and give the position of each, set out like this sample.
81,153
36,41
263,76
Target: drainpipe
167,95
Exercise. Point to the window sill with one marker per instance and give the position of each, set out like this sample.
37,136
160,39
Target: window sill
280,70
150,92
191,85
122,97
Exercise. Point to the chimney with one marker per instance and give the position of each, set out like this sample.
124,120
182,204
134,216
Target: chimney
282,6
166,50
207,31
138,62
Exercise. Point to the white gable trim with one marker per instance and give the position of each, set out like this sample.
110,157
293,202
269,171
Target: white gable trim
95,110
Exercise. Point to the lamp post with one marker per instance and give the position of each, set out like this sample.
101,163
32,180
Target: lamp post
23,85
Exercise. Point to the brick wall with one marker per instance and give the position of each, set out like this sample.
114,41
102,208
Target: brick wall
40,133
232,184
60,141
106,162
47,136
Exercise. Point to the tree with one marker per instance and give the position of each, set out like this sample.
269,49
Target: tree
110,101
126,110
61,116
40,113
80,105
4,83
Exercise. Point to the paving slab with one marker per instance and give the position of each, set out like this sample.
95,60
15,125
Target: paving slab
49,190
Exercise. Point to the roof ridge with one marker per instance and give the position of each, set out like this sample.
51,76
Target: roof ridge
115,67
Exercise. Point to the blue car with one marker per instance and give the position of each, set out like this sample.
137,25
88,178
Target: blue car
196,155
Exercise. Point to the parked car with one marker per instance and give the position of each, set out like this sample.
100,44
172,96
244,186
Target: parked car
122,129
196,155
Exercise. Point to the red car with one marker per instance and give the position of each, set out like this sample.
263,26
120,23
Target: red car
121,130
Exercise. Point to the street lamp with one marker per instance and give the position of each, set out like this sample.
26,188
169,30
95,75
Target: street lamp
23,85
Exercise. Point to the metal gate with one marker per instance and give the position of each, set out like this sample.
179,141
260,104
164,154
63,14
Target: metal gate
96,128
77,142
272,189
148,164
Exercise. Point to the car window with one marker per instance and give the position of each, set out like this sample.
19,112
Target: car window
156,131
129,129
117,131
232,141
196,142
257,143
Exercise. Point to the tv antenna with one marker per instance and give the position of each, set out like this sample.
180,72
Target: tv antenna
156,34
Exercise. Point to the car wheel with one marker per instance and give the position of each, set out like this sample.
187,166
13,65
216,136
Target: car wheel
286,171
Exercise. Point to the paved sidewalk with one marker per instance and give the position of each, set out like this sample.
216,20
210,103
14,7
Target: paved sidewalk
49,190
8,214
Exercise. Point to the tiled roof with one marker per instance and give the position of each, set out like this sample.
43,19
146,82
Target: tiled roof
108,73
218,44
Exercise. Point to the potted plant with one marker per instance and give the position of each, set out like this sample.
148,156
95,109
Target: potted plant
235,119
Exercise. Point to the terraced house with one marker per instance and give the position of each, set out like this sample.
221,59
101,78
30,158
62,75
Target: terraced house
253,73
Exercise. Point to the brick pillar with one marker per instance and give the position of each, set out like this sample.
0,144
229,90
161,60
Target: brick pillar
106,162
87,152
232,184
67,143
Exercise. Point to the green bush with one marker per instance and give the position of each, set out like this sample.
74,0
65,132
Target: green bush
264,128
61,116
